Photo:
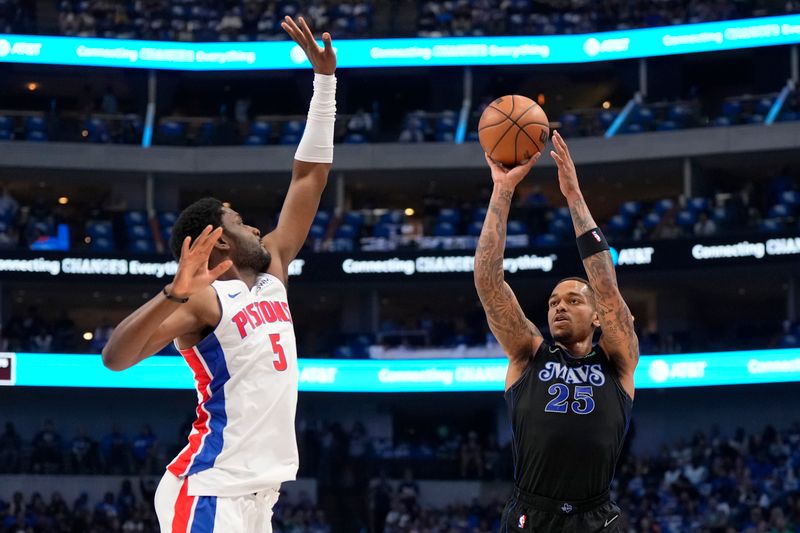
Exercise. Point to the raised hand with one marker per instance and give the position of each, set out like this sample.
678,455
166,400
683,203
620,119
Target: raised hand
510,177
567,176
322,59
193,273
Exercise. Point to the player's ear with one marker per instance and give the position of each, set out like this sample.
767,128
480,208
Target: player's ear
596,320
223,243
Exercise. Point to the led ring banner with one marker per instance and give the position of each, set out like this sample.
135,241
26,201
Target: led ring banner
412,52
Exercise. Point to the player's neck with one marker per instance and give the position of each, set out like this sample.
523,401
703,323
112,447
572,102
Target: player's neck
248,276
578,349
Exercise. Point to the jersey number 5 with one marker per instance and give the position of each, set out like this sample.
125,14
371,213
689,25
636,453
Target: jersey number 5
280,363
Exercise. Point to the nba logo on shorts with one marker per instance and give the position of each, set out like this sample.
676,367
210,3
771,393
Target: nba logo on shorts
521,521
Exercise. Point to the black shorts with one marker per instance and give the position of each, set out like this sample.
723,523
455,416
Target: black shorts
519,516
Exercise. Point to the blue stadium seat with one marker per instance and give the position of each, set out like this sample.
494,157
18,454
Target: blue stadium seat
731,109
35,124
771,225
99,228
479,214
546,239
452,216
790,198
355,138
563,213
695,205
346,231
515,227
102,244
316,232
289,139
138,231
779,211
208,132
631,128
642,115
167,218
143,246
619,223
607,118
322,218
474,228
6,135
255,140
764,105
392,216
755,119
383,230
686,219
679,114
652,220
293,126
720,215
666,125
97,130
261,128
172,132
135,217
631,209
6,123
36,136
444,229
721,122
662,206
559,227
353,218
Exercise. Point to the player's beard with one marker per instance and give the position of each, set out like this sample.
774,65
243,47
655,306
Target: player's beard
254,257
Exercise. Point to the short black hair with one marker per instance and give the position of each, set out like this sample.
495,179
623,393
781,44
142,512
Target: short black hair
578,279
193,220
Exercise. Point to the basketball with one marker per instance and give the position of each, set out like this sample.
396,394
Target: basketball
512,129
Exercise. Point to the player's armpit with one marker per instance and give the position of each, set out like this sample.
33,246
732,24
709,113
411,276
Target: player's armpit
297,214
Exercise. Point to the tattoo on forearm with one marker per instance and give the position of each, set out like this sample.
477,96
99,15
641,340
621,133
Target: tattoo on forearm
615,316
581,217
503,312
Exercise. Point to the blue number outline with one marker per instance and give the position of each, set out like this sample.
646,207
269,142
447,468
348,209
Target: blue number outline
559,404
583,393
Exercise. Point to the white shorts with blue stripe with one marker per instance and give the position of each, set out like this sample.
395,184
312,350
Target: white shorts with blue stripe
180,513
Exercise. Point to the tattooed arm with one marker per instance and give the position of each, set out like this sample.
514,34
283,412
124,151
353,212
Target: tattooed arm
619,339
516,334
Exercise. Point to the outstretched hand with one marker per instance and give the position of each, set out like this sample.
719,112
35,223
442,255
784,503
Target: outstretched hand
510,177
567,176
193,273
322,59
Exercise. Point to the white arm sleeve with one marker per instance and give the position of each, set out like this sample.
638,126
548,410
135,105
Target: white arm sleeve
316,146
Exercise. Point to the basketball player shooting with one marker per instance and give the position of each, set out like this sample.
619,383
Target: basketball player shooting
569,400
227,312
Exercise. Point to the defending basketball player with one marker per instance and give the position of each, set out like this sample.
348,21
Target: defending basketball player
227,312
569,400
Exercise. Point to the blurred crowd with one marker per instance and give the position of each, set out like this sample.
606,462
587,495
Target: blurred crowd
713,482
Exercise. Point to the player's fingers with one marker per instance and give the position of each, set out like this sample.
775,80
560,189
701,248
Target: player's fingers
326,40
557,158
563,143
185,246
290,27
492,163
220,269
200,238
306,31
211,240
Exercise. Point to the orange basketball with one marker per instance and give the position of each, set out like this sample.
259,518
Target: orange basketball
513,129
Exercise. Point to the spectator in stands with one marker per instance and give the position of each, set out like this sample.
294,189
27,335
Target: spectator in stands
116,452
82,454
101,335
46,455
144,448
64,333
10,450
42,340
380,501
9,207
667,228
360,123
109,104
472,457
414,131
704,227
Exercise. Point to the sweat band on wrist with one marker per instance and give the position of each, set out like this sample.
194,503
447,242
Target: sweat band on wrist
316,146
592,242
174,298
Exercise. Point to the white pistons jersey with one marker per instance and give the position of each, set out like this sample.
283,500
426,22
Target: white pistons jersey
245,371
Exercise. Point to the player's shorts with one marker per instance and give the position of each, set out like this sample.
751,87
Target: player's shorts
536,514
180,513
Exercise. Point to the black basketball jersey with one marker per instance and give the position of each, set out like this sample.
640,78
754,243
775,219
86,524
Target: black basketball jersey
569,417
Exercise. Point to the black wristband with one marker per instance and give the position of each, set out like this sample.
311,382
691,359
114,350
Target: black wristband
174,298
592,242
